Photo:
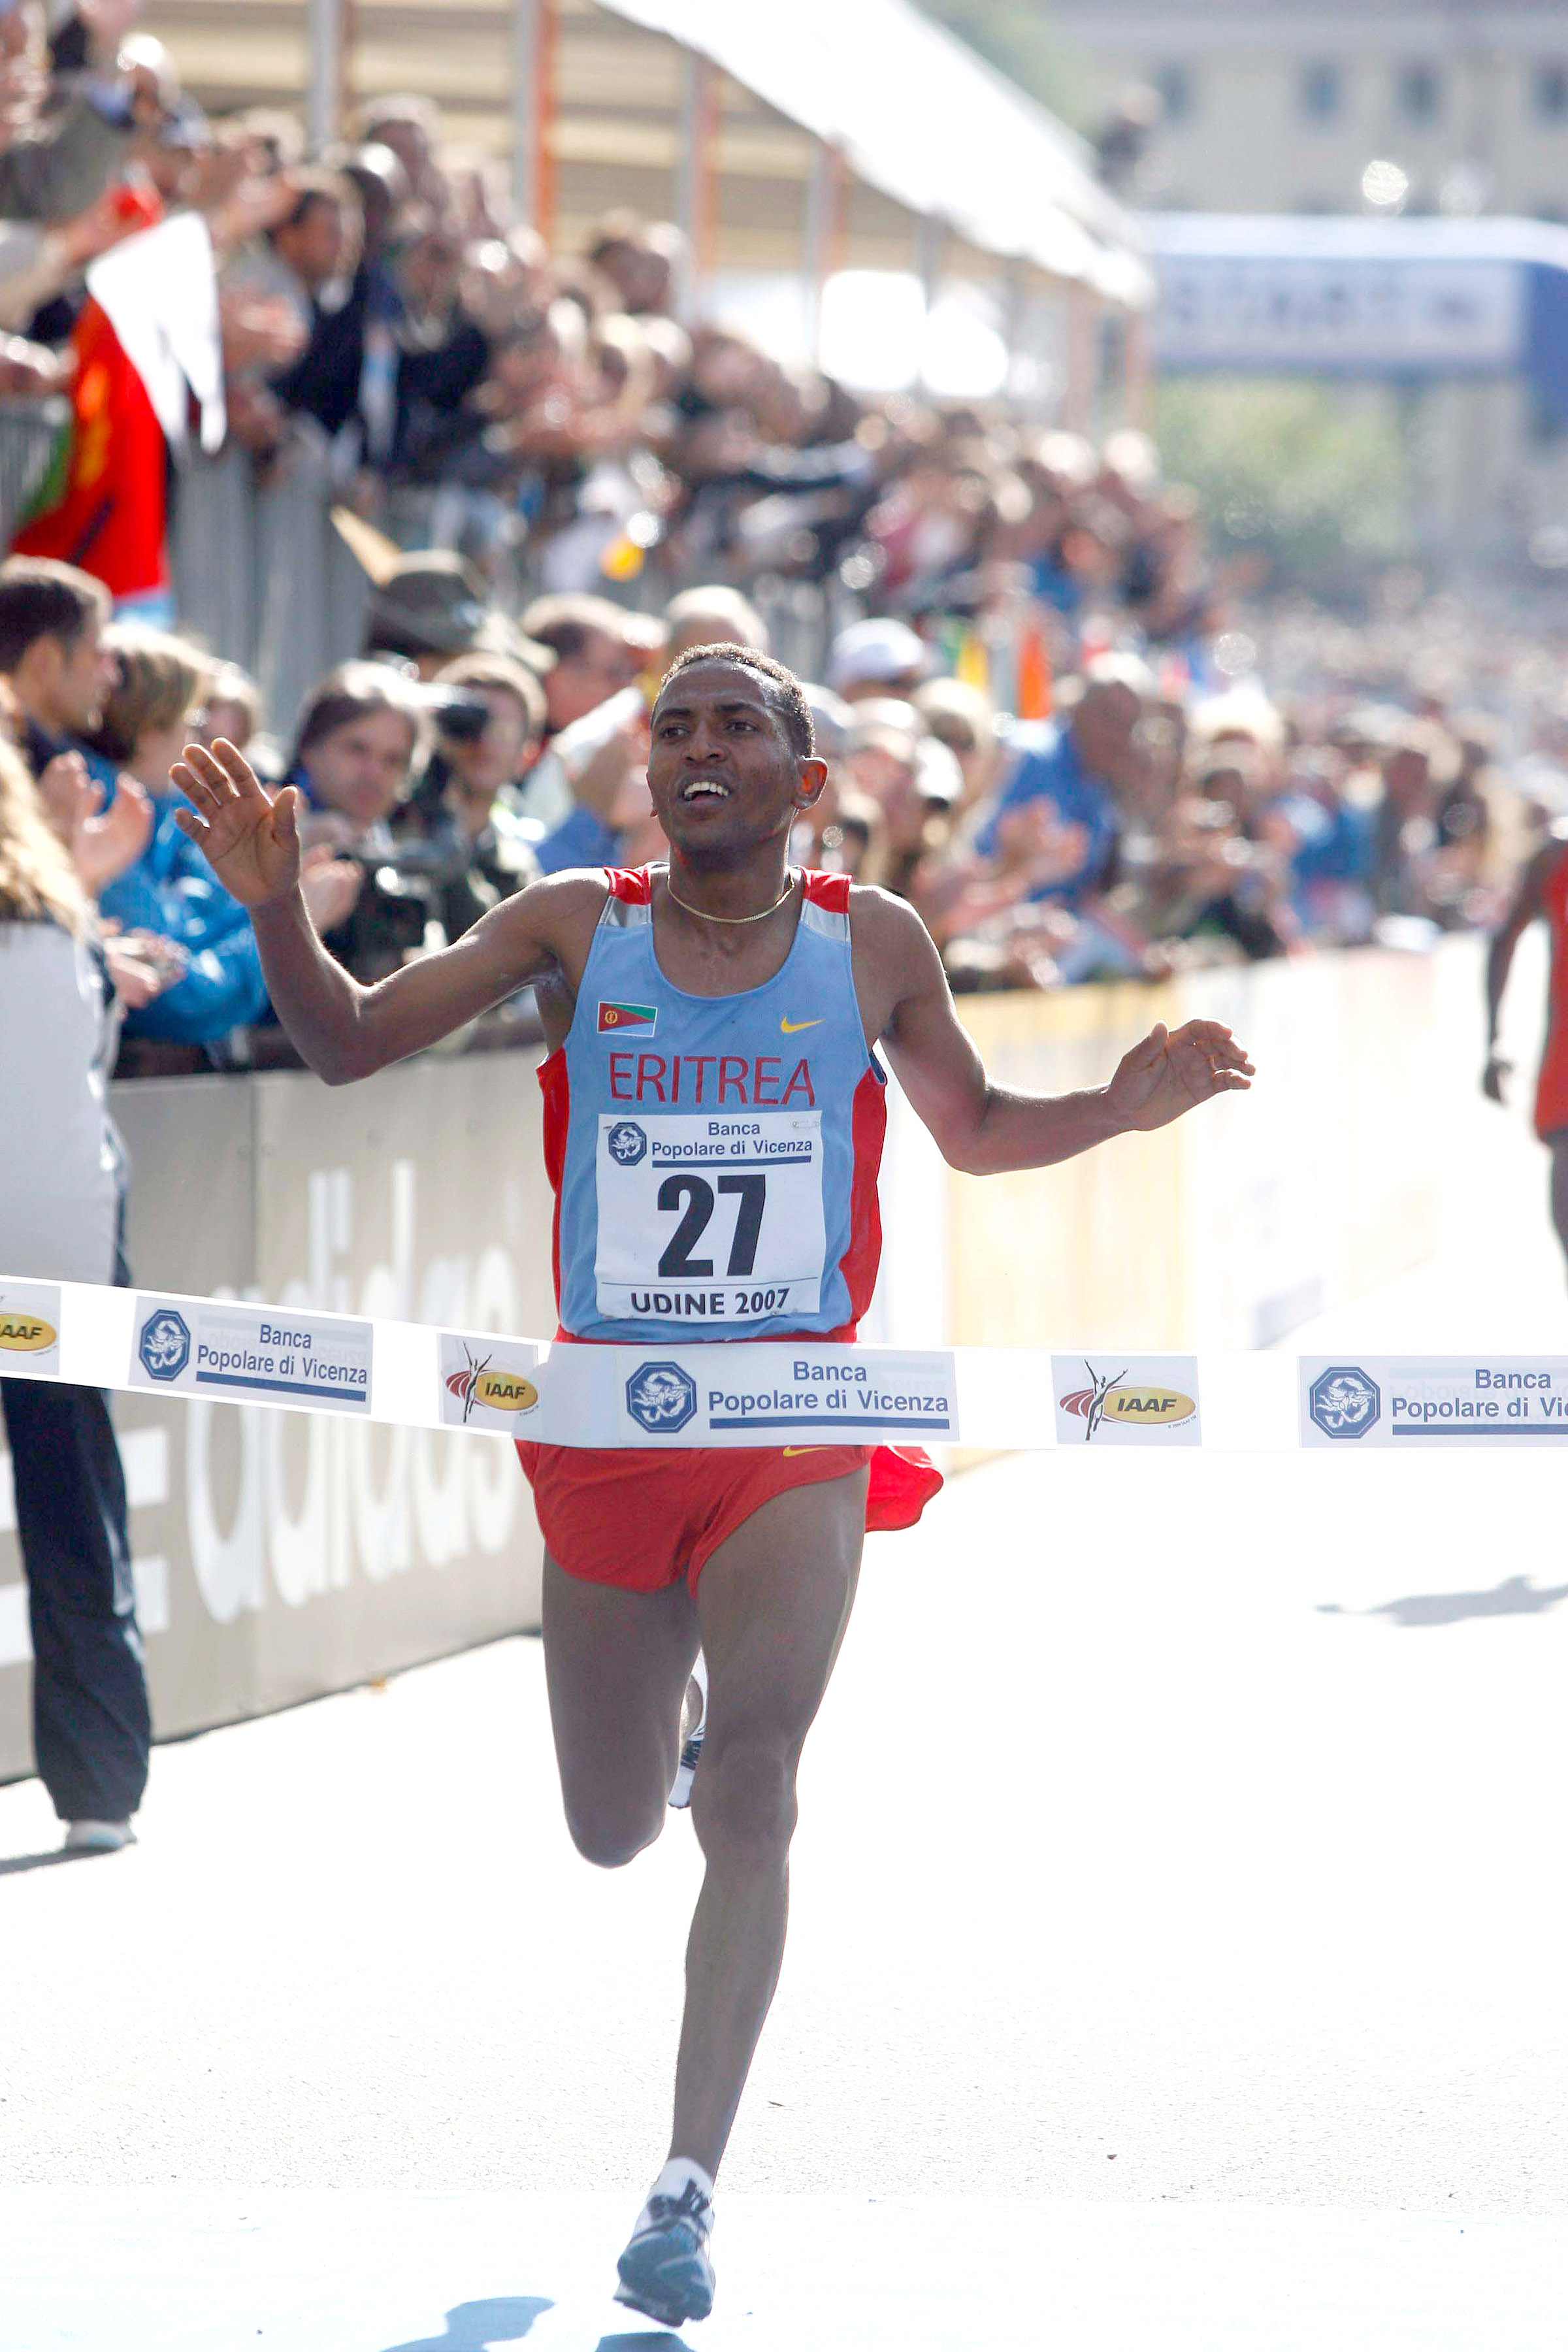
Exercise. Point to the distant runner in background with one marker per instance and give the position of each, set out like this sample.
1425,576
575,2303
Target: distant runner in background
1542,891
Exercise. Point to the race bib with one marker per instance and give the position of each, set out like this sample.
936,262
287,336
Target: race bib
709,1220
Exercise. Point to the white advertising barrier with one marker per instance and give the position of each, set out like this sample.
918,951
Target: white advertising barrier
757,1394
417,1376
1426,1400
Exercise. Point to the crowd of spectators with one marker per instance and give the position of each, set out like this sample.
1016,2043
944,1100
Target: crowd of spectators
1044,712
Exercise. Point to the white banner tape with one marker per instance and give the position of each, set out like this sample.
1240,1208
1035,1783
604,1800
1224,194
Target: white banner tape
1387,1399
766,1393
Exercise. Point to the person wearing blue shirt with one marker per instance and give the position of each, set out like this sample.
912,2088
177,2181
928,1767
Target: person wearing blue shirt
1079,768
581,839
142,729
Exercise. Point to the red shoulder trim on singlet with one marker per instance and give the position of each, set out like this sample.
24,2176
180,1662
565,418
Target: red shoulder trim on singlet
635,883
829,891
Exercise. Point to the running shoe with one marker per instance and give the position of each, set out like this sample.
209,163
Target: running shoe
693,1723
666,2272
98,1837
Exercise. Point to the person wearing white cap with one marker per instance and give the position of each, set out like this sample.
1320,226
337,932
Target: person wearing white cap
877,657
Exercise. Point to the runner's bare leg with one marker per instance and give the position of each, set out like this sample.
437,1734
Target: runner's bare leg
774,1602
1559,1147
615,1665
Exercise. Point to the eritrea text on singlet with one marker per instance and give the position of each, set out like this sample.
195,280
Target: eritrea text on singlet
714,1158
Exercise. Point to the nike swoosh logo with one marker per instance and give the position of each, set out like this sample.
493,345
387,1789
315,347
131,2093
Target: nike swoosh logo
803,1449
792,1028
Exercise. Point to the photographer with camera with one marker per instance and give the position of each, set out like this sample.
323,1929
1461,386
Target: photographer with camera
359,741
489,718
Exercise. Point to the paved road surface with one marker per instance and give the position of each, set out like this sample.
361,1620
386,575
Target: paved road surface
1181,1852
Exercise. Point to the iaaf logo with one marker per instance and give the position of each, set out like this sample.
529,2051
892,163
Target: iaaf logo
502,1391
25,1332
1107,1400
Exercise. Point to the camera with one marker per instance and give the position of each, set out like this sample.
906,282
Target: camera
459,718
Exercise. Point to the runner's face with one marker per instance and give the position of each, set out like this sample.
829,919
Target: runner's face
717,727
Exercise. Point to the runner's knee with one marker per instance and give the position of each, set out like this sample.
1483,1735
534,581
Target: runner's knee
743,1798
611,1841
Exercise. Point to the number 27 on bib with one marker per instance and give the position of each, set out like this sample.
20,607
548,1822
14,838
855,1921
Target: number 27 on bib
709,1220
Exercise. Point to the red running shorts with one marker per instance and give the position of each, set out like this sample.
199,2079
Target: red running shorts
640,1519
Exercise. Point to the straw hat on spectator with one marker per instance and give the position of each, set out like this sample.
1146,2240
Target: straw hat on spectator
432,604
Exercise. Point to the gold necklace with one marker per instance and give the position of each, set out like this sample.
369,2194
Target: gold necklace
703,916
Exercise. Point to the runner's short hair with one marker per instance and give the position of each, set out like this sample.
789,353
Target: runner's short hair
788,695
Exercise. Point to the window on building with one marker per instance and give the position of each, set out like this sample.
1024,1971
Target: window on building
1321,92
1420,92
1549,91
1174,84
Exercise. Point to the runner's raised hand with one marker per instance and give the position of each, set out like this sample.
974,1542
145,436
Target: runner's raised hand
1173,1070
249,836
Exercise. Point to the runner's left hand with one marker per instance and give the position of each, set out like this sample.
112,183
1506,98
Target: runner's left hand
1173,1070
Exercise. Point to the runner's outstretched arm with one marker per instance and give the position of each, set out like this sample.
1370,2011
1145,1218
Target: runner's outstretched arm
985,1129
1527,903
250,838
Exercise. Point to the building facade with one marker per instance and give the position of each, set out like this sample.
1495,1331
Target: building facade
1271,106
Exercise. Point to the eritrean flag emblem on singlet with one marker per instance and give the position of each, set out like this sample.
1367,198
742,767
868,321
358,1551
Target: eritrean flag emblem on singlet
643,1017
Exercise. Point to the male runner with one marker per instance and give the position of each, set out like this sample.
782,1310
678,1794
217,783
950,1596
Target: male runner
720,985
1542,891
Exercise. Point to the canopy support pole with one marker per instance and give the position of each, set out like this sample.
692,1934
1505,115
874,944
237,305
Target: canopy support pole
695,184
1082,359
930,239
1015,305
824,254
327,35
1137,370
535,27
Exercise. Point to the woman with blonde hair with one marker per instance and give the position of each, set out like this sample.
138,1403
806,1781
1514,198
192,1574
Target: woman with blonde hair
61,1199
148,714
160,683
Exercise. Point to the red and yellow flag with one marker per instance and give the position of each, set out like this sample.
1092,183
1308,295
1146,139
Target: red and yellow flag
111,514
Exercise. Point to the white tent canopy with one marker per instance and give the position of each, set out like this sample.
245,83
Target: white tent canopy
833,128
920,116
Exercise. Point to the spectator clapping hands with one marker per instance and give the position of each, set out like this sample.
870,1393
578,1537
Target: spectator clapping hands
102,842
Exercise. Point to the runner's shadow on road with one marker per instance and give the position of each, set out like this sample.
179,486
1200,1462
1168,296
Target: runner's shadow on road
1517,1597
17,1861
475,2327
507,2319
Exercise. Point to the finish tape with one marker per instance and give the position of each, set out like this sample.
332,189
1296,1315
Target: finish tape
792,1392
